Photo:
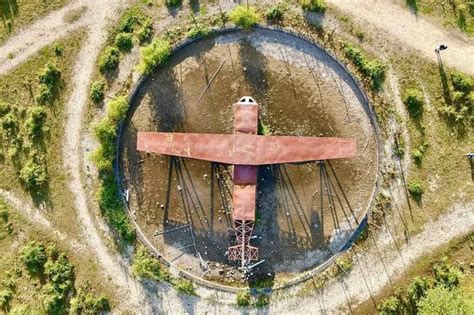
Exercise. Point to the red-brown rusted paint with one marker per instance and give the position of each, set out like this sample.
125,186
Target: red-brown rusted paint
245,150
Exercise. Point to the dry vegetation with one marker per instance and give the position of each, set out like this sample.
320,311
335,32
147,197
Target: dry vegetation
17,13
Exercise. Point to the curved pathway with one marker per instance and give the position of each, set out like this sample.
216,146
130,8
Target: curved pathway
412,30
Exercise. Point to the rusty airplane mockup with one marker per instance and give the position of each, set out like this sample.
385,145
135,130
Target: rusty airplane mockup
245,149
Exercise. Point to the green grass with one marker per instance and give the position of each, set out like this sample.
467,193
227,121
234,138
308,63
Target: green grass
451,14
245,16
18,13
445,171
31,156
37,272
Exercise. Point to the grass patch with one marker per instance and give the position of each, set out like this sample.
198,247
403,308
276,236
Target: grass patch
108,199
245,16
243,298
313,5
154,54
457,14
276,12
145,266
31,128
371,69
19,13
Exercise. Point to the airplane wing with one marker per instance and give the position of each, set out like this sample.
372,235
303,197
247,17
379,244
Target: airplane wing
201,146
246,149
288,149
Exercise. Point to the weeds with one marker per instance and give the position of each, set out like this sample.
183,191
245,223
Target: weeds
276,11
243,298
313,5
97,91
413,100
154,54
371,69
245,16
124,42
109,59
185,286
145,266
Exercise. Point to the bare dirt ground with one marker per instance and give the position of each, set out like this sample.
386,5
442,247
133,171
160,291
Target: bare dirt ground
412,31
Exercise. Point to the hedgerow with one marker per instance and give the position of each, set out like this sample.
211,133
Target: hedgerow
371,69
35,122
154,54
108,199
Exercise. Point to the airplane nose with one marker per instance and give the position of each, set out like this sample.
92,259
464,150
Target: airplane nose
247,100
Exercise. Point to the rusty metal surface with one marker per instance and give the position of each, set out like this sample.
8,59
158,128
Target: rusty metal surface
245,149
243,202
246,118
245,174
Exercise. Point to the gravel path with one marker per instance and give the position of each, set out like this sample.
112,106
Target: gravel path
411,30
369,268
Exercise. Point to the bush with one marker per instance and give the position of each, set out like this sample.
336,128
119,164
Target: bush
173,3
9,123
413,100
112,208
415,189
20,309
154,54
344,263
85,302
117,108
124,42
35,121
313,5
199,30
33,255
185,286
58,49
276,11
50,75
417,290
49,80
461,82
146,31
144,265
60,273
446,274
441,300
6,296
390,306
381,208
109,59
33,174
372,69
4,109
262,301
97,91
244,16
243,298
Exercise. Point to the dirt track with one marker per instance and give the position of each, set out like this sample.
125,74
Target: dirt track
411,30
